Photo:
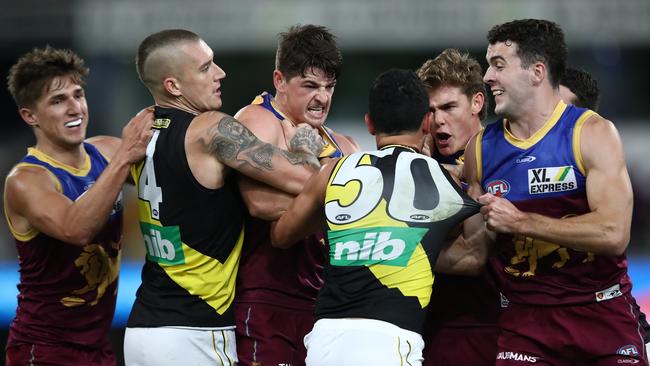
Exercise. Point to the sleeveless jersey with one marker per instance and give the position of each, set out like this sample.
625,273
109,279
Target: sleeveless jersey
67,293
462,301
289,278
545,174
388,213
192,235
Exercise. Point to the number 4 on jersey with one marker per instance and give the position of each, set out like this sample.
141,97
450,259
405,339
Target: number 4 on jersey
148,190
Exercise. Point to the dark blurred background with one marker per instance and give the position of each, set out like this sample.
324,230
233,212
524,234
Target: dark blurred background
609,38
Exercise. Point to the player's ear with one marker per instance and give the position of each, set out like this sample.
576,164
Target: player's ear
538,73
28,116
279,81
426,123
478,99
172,86
369,125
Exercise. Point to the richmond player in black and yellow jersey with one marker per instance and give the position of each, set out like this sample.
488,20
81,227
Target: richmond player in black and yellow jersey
387,214
190,210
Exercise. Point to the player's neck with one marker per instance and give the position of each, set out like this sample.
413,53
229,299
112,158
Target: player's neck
70,155
177,103
532,119
413,141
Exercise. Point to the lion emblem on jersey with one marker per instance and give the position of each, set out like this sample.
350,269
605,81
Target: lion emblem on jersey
529,250
99,271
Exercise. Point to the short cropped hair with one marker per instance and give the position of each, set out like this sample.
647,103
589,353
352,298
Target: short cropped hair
584,86
537,41
455,69
30,76
155,42
308,46
397,102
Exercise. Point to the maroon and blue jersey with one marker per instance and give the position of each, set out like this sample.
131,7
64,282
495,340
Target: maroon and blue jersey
289,278
67,293
545,174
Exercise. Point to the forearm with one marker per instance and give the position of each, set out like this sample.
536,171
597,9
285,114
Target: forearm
592,232
468,252
262,201
88,214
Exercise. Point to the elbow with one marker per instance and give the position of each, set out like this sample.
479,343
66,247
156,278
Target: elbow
618,243
77,238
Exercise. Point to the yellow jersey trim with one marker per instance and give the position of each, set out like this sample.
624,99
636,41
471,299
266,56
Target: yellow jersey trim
83,171
577,153
479,155
537,136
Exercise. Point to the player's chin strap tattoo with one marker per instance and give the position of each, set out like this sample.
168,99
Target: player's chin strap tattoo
230,141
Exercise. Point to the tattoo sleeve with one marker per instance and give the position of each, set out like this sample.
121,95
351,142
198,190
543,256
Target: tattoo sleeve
234,144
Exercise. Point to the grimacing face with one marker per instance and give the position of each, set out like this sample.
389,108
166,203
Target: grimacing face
60,114
455,118
306,98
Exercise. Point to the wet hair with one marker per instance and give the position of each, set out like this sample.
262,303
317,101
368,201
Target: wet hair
537,41
398,102
308,46
156,41
584,86
456,69
31,75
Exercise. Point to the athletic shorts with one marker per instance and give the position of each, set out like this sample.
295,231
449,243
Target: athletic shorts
354,342
162,346
596,334
476,346
37,354
270,336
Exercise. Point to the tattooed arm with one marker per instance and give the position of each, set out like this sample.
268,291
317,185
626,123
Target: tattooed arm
231,143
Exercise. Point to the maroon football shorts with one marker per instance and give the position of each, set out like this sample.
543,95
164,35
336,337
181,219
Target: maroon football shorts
271,336
476,346
36,354
596,334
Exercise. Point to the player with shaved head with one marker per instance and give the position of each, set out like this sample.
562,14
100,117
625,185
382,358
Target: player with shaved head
191,212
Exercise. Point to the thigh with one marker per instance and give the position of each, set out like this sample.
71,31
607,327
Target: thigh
270,336
454,346
335,345
173,346
36,354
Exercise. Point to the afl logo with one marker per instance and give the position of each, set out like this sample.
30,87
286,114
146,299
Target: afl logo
498,188
419,217
342,217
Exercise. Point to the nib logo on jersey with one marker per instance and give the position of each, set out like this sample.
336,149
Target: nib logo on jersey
551,179
163,243
391,246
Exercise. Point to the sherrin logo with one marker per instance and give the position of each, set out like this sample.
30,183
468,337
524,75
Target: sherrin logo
551,179
498,188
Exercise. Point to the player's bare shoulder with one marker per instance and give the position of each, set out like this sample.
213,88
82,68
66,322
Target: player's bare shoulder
346,143
107,145
263,123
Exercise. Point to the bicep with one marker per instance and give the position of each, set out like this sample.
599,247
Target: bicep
608,184
33,196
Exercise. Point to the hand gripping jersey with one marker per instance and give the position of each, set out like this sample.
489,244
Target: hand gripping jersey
462,301
545,174
67,293
331,149
193,235
388,212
